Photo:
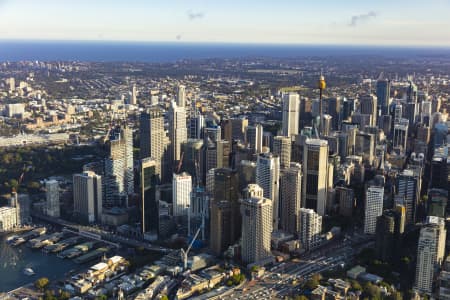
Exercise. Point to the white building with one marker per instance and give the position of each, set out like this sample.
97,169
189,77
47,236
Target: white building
177,130
182,189
268,177
310,228
8,218
282,147
87,196
52,198
291,112
315,172
256,229
15,109
181,96
255,138
373,208
290,195
430,253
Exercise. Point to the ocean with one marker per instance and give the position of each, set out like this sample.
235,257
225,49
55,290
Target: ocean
92,51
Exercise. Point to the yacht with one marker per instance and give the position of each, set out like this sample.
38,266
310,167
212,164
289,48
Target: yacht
28,272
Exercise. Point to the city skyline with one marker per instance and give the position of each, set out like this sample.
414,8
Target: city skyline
406,23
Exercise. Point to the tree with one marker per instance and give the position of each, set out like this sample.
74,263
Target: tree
356,286
63,295
49,295
101,297
229,282
395,296
42,283
301,297
164,297
371,290
313,282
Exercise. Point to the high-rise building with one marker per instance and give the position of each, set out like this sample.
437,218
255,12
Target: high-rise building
181,96
119,172
282,148
182,189
234,129
346,199
401,134
437,199
268,177
332,107
290,195
315,175
133,95
411,106
256,215
368,106
192,157
12,84
409,184
225,220
365,146
310,228
177,130
373,208
255,138
430,254
52,195
87,196
246,173
389,231
291,114
152,137
196,125
383,95
149,204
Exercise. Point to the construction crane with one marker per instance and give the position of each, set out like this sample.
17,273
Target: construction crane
184,254
20,180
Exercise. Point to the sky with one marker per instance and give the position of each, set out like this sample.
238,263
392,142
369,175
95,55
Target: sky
346,22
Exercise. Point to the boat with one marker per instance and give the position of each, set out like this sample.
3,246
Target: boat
18,241
11,238
28,272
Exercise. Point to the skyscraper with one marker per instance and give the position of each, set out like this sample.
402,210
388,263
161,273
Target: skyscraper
315,172
383,95
291,114
119,174
152,136
177,130
268,177
373,208
149,204
368,106
225,220
235,128
290,195
282,148
408,192
133,95
181,96
389,231
430,253
255,138
87,196
401,134
182,188
52,195
256,214
310,228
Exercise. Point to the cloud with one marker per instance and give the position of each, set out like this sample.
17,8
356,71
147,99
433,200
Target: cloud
195,15
356,20
179,37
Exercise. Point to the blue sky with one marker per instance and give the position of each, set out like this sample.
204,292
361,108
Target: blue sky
380,22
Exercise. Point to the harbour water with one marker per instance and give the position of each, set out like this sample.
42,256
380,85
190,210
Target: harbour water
13,260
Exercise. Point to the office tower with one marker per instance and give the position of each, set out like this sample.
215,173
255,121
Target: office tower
268,177
213,133
247,173
291,114
401,135
389,233
315,173
398,112
327,125
12,84
346,199
177,130
430,253
255,138
182,188
425,112
192,151
256,215
87,197
409,184
385,124
373,208
437,202
440,132
133,95
332,108
368,106
365,146
235,128
290,198
383,95
152,136
181,96
149,204
225,219
52,195
196,125
119,174
348,107
8,218
310,228
282,148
